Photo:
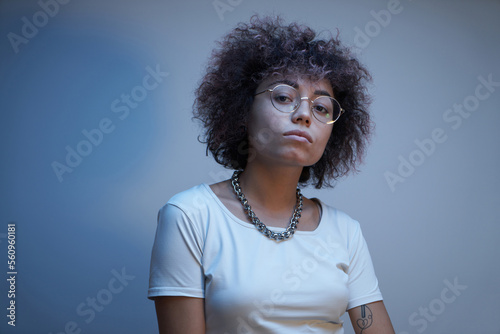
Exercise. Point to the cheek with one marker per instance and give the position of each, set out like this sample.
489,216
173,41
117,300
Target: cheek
327,136
324,140
259,138
263,129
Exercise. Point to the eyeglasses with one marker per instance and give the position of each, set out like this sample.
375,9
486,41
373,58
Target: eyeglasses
287,99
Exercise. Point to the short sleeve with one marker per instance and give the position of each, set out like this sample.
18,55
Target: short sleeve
176,259
362,282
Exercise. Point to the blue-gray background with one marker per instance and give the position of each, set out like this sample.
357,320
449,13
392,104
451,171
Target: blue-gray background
440,225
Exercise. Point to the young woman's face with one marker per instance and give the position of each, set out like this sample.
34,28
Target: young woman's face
294,139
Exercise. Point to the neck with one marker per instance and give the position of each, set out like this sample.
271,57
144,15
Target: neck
270,188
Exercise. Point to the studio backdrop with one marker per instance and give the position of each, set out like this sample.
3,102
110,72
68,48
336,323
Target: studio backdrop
96,135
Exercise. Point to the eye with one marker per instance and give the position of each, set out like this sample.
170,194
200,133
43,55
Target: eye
320,109
284,95
323,106
283,98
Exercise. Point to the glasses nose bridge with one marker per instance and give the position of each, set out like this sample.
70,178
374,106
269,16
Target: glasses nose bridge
305,98
302,98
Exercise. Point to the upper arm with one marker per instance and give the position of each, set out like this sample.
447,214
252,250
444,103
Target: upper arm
176,258
176,281
180,315
362,281
371,318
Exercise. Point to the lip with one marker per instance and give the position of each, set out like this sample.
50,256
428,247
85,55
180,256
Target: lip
300,134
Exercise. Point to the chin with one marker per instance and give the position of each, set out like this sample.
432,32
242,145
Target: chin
301,161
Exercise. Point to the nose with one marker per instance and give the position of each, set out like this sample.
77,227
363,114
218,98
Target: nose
303,112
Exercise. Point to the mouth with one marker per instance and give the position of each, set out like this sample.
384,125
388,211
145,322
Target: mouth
299,135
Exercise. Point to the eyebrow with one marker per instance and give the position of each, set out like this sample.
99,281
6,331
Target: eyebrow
284,81
296,86
322,93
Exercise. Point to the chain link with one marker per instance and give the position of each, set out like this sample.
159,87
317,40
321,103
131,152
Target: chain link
294,221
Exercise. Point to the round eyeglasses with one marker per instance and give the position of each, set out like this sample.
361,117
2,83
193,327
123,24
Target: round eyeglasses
287,99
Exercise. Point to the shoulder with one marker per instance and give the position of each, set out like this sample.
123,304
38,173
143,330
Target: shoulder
193,203
187,213
347,231
337,219
192,198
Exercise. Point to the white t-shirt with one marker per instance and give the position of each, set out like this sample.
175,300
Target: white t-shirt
252,284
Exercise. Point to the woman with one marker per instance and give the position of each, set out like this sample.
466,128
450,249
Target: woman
251,254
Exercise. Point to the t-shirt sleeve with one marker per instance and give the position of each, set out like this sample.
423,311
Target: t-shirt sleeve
362,282
176,259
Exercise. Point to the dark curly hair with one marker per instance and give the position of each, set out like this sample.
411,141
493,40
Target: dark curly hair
265,46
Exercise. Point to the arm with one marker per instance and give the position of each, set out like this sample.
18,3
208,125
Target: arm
371,319
176,270
180,315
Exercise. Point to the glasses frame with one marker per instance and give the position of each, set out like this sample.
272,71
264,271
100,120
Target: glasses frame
302,98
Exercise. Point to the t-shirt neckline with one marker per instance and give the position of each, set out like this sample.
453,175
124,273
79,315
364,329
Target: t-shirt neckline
275,229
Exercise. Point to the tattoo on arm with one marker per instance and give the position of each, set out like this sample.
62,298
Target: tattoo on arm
366,319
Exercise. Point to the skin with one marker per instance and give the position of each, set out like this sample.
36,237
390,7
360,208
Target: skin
269,181
275,161
371,319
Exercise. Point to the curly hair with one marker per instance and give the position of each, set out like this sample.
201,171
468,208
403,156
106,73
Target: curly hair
265,46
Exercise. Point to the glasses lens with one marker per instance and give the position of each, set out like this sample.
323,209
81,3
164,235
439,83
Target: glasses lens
285,98
326,109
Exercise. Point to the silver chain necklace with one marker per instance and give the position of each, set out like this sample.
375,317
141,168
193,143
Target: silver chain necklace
290,230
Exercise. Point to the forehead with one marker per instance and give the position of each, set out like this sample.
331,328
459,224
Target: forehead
299,82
